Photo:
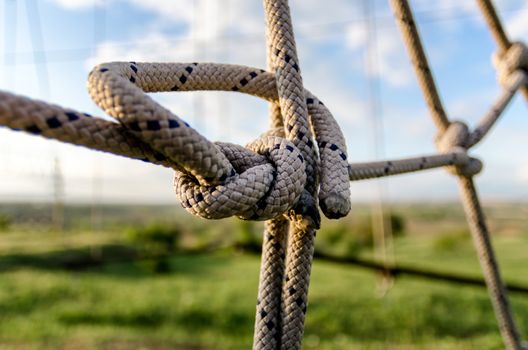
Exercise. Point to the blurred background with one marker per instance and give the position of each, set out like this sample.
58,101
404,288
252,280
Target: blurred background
96,252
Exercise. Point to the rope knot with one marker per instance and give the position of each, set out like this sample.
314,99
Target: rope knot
509,61
456,139
456,135
267,180
217,180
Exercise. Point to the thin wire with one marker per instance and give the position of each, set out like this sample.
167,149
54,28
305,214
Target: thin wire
10,26
38,48
96,212
381,230
223,103
198,49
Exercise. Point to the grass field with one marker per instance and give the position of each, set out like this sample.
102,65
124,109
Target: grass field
207,301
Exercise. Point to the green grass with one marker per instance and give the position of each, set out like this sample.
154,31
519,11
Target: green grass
208,302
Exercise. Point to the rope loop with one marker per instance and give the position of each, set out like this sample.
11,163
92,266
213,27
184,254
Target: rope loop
218,180
456,139
507,62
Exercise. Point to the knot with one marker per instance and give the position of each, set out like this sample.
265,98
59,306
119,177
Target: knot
455,140
456,135
509,61
267,180
216,180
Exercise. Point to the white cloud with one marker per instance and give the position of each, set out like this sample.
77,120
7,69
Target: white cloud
517,25
522,174
78,4
391,62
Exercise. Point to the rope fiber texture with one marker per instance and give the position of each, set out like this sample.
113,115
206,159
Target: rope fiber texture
284,176
213,180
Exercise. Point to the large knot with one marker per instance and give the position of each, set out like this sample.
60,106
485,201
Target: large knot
215,180
507,62
268,179
456,140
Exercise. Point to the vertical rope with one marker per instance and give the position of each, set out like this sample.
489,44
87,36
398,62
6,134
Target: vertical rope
295,287
488,263
283,59
267,321
411,37
497,30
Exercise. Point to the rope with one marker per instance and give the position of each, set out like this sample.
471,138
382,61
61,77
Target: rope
283,176
515,81
149,132
282,58
497,30
456,136
270,177
267,319
411,38
488,262
369,170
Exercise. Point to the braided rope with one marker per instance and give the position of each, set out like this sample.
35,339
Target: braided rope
267,320
456,136
411,38
497,30
212,180
515,81
362,171
282,58
267,332
278,173
482,240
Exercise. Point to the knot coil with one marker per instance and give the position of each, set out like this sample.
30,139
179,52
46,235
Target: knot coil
456,139
267,182
507,62
217,180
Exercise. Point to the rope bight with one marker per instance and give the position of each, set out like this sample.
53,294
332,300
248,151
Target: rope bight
289,172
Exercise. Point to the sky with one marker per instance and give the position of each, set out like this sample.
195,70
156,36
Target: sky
351,56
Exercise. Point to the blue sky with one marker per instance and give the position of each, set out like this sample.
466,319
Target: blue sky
332,39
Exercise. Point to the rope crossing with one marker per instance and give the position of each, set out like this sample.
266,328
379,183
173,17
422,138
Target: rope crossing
284,176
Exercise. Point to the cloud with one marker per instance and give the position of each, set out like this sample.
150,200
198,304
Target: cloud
517,25
78,4
522,173
391,62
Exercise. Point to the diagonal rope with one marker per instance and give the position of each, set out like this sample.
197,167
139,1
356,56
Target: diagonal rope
455,135
482,240
411,38
497,30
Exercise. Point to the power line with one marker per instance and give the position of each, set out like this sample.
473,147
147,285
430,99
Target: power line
381,227
37,43
10,26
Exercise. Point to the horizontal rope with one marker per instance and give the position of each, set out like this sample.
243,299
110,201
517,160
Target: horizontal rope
369,170
161,137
